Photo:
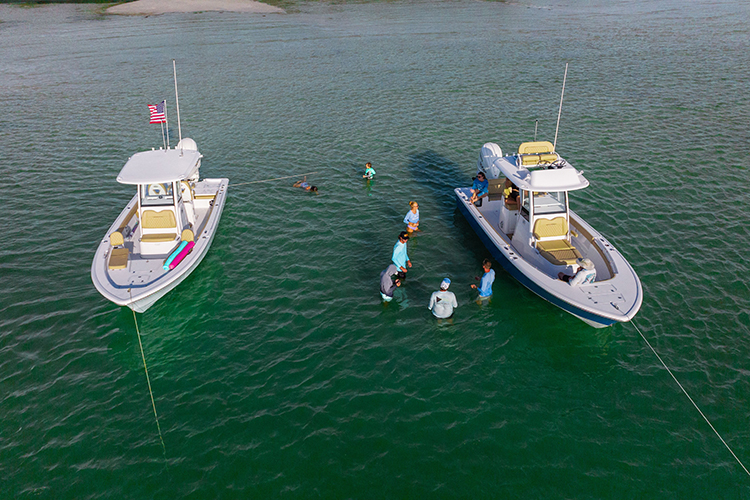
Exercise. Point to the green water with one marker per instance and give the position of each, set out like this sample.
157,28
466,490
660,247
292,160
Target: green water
276,370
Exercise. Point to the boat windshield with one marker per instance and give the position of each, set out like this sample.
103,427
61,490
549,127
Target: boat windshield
157,194
549,203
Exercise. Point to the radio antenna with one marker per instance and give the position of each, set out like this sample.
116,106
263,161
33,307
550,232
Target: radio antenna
559,111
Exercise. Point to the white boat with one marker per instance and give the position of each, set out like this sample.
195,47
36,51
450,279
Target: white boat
171,206
538,236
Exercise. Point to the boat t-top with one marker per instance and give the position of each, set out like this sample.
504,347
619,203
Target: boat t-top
527,225
164,231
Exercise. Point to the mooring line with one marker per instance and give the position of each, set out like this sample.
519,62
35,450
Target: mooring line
276,179
686,394
151,393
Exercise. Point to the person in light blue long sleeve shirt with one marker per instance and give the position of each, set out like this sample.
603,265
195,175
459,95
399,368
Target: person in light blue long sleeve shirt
485,285
400,257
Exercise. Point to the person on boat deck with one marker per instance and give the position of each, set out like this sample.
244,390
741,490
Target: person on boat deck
480,187
390,279
586,273
369,171
305,185
510,191
443,302
488,278
400,258
412,217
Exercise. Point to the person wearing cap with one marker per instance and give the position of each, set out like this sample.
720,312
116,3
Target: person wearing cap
443,302
390,279
488,278
586,273
400,258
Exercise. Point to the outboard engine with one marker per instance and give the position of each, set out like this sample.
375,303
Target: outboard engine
486,163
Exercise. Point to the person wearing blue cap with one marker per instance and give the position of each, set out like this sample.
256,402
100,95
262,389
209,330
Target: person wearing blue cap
443,302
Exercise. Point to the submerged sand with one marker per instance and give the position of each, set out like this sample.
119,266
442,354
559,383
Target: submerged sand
150,7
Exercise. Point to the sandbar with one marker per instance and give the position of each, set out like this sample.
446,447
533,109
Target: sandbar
152,7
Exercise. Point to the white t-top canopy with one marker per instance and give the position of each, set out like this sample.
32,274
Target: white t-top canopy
565,178
159,166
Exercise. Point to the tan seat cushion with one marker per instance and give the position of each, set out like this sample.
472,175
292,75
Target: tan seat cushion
116,239
187,235
558,252
158,237
551,228
118,258
158,220
535,147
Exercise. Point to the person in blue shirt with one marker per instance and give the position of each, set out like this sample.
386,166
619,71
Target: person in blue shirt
485,285
400,258
412,217
480,187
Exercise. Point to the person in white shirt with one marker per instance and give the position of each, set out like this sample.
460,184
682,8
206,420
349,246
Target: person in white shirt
443,302
585,274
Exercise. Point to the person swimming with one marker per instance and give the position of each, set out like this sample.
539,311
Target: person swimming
305,185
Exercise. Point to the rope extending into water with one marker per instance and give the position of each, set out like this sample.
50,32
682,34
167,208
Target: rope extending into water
688,395
276,179
151,393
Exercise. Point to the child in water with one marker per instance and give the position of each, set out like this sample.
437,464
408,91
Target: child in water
369,171
412,217
305,185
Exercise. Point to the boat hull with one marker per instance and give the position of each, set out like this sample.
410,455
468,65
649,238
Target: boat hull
515,265
141,296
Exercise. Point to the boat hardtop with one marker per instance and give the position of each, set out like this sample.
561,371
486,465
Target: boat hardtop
525,221
161,166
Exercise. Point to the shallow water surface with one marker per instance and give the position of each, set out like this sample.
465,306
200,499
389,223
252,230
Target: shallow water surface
276,370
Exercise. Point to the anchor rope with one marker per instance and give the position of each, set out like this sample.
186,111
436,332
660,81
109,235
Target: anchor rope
151,393
686,394
276,179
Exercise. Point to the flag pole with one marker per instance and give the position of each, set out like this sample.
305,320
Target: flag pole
162,135
177,99
166,119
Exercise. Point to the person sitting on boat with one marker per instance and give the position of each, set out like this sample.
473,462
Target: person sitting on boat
412,217
443,302
305,185
480,187
369,171
485,284
400,258
390,279
510,192
586,273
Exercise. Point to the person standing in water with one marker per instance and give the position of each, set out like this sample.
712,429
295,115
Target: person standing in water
369,171
390,279
443,302
485,284
400,258
412,218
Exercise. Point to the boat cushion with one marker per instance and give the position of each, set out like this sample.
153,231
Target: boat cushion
158,220
187,235
158,237
527,160
551,228
558,252
118,258
116,239
535,147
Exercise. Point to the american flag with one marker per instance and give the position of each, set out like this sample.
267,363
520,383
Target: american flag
157,112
